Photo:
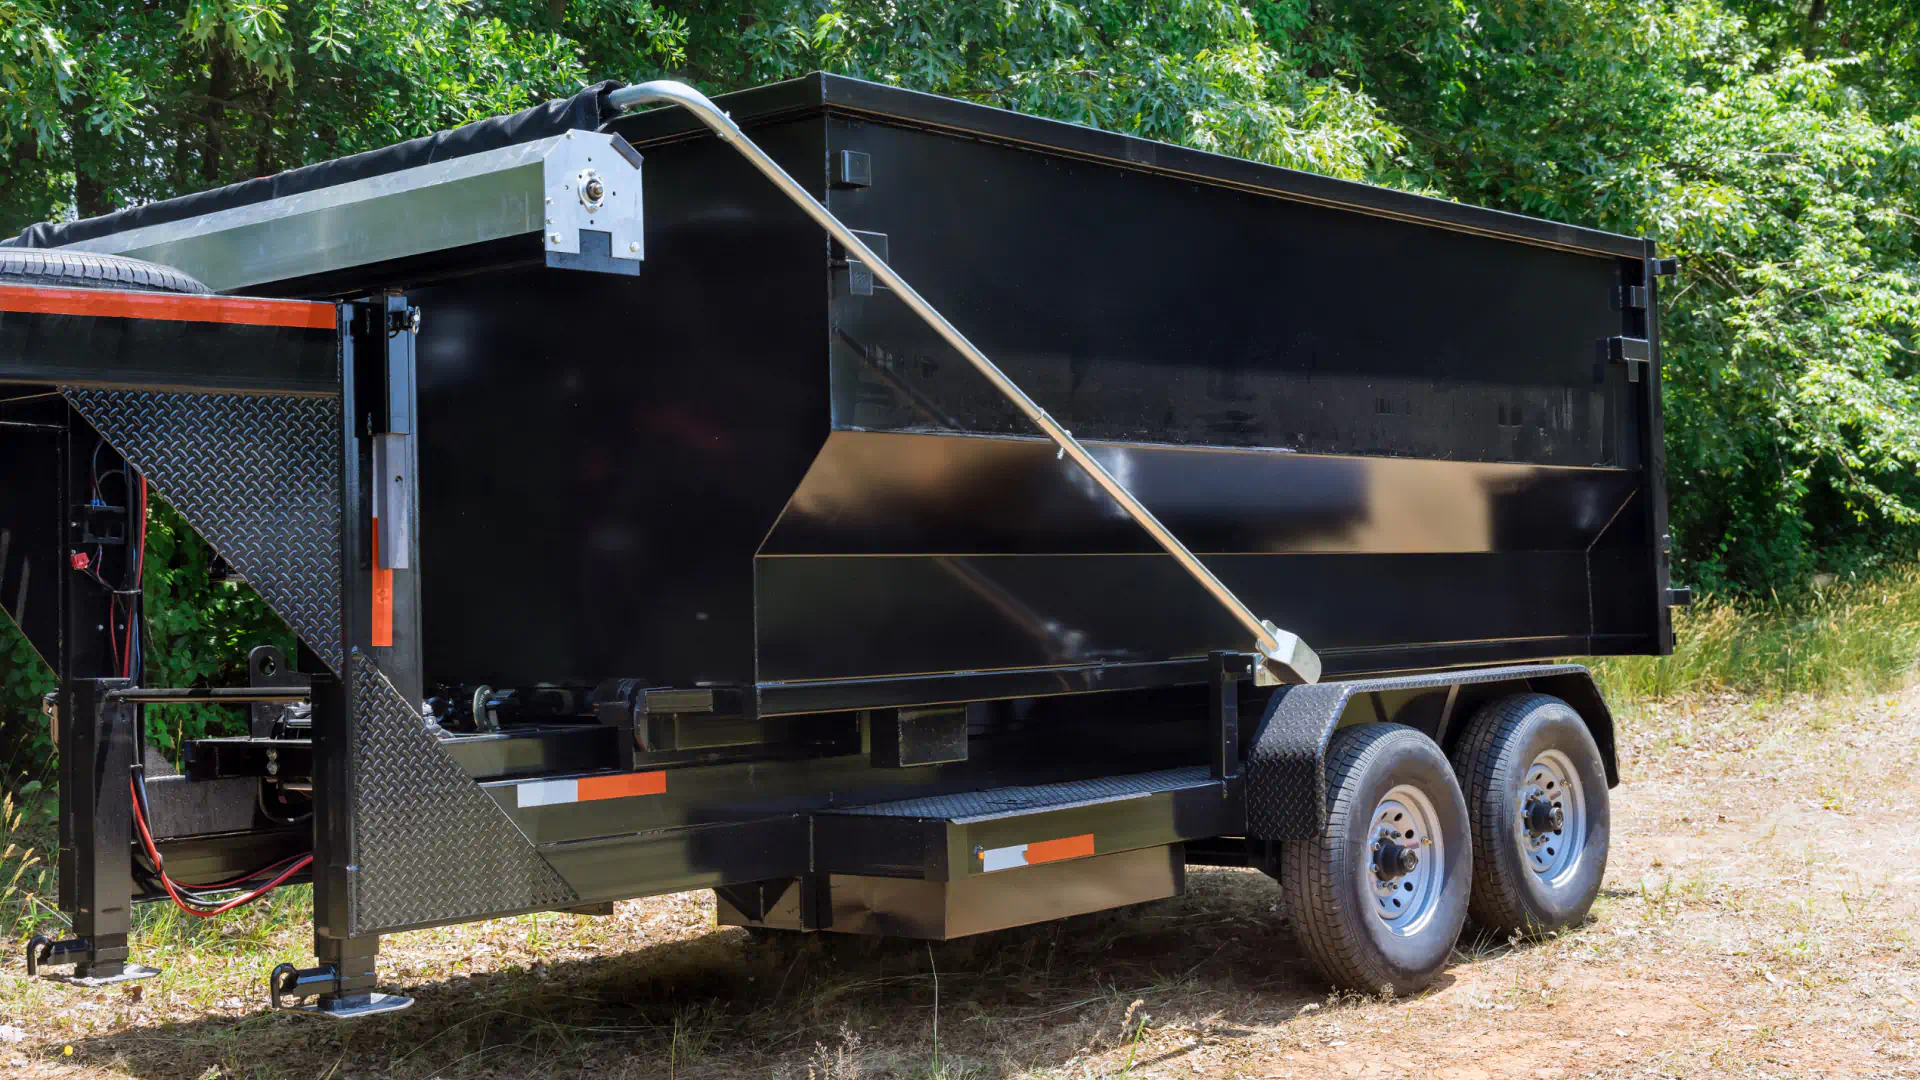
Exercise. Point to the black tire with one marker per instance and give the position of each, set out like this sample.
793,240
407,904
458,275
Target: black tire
1329,882
1518,886
87,270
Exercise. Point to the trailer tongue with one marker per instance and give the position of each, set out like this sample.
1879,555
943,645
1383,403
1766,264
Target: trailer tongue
639,537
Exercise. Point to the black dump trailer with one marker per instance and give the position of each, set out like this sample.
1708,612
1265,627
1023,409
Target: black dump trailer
896,515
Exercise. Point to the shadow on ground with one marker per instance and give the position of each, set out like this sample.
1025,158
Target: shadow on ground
718,1003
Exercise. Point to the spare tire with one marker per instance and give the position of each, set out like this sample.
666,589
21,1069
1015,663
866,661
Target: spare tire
89,270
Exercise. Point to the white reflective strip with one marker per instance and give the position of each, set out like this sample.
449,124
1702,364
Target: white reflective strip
548,792
1003,858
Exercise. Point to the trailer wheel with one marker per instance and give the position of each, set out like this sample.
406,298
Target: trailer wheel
88,270
1537,795
1378,898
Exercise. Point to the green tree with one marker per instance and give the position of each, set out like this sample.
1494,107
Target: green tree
1205,73
110,104
1794,422
1769,143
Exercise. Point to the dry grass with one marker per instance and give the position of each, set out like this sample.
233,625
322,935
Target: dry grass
1846,638
1757,920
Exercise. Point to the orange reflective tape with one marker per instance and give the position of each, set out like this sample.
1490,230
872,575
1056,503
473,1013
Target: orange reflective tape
1067,847
381,633
623,785
167,307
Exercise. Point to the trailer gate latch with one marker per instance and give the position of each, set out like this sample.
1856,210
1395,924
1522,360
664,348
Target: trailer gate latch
1634,352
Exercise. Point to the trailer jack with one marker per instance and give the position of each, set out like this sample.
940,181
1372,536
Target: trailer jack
90,968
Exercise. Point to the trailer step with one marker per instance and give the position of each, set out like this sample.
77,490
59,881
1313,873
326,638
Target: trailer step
970,806
949,837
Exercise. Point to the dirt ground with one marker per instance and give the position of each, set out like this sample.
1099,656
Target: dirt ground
1757,920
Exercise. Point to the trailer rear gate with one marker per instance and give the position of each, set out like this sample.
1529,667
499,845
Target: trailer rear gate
715,566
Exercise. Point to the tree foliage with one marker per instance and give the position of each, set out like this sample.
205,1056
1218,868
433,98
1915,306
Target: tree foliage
1780,173
1771,144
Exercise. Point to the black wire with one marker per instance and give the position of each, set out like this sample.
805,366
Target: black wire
235,885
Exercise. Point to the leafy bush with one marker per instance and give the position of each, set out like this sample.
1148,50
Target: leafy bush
197,631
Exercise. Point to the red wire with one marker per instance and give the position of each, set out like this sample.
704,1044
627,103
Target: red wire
231,882
294,863
146,840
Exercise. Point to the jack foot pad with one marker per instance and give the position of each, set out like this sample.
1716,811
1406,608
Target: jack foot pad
79,952
289,984
354,1006
131,972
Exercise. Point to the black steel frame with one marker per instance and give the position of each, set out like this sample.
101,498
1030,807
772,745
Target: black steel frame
762,775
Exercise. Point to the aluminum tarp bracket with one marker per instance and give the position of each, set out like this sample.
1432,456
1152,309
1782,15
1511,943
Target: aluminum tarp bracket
577,195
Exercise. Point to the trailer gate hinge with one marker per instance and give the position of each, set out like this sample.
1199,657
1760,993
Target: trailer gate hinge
1636,353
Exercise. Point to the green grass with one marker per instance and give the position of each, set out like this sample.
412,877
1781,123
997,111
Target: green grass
1848,637
26,873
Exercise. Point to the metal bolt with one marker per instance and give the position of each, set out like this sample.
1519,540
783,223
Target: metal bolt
633,246
555,237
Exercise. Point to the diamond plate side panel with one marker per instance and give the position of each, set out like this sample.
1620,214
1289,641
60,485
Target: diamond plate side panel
430,845
257,476
1286,766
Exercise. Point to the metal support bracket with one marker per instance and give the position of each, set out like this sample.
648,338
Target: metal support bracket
1226,671
288,984
98,752
78,952
1636,353
1284,658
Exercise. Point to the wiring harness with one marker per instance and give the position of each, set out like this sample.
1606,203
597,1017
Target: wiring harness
199,900
205,900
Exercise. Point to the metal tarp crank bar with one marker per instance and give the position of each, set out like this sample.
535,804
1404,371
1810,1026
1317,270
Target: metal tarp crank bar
1284,657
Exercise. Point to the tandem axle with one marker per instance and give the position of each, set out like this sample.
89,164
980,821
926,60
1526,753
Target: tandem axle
602,588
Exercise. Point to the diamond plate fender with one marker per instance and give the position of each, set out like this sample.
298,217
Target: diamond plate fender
1286,762
430,846
258,476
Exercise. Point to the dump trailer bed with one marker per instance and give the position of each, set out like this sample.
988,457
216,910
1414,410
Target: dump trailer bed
643,536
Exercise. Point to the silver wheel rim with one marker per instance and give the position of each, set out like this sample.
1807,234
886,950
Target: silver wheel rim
1553,854
1405,902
